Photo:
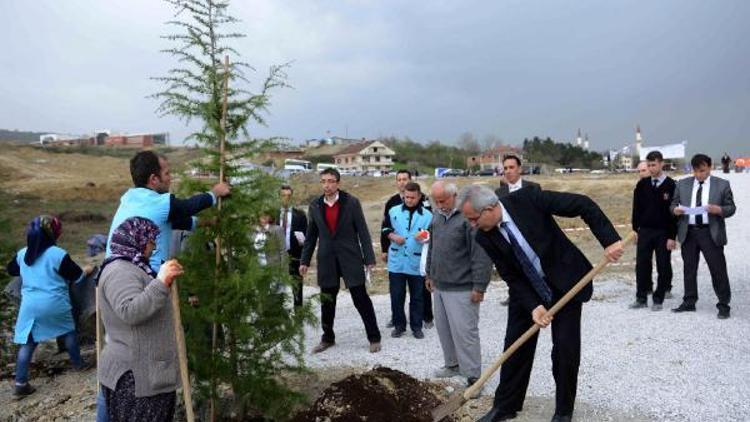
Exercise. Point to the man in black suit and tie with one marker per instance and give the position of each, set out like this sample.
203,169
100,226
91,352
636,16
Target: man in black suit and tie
705,232
293,223
539,264
512,170
345,248
657,228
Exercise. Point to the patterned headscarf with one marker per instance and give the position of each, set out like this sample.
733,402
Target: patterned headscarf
129,241
43,232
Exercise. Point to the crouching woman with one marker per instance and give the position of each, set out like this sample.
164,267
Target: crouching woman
138,367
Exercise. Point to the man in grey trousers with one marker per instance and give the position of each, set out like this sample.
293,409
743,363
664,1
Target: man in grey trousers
457,273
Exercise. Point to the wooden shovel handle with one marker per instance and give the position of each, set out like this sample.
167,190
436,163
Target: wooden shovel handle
181,352
471,391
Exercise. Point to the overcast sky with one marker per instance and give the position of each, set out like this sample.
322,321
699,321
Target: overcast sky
423,69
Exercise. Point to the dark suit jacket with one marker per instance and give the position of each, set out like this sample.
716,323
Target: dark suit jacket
350,246
299,224
504,188
532,210
719,193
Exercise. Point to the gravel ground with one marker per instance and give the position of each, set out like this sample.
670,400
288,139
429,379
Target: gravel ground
635,365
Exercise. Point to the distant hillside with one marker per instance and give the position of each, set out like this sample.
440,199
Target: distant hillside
20,136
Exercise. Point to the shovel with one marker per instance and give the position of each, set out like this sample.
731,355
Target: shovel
181,352
454,403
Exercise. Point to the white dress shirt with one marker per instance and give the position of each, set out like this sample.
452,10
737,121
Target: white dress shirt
704,199
288,234
659,180
512,187
527,249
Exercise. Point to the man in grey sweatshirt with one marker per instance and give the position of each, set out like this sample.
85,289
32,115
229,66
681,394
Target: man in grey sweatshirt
457,273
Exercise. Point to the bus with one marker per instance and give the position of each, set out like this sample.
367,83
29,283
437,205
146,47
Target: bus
297,166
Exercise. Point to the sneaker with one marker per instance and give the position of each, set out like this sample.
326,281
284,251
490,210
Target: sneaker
656,307
723,314
375,347
322,347
447,372
390,324
638,305
429,324
397,332
23,390
418,334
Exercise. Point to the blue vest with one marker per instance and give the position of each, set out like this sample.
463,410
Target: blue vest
146,203
405,258
45,301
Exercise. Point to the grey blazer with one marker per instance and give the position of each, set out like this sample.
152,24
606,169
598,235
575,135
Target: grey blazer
140,336
349,249
504,188
719,193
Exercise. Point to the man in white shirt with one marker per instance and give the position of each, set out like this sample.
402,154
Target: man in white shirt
512,170
703,232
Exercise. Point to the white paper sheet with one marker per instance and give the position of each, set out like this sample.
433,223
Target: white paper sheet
694,210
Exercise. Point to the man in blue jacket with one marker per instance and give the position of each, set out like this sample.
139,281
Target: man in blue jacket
407,220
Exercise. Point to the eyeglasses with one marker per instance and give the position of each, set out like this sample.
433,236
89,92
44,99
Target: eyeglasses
473,220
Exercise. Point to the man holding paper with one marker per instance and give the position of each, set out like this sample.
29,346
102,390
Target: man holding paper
293,223
702,202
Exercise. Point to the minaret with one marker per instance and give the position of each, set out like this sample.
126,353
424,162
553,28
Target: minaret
578,138
638,140
586,142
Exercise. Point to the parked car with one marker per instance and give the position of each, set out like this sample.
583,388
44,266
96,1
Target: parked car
453,173
486,172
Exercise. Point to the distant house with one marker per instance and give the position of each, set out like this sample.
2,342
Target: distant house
138,140
493,158
366,156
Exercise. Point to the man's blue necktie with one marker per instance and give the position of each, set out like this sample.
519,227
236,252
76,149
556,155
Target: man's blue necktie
536,279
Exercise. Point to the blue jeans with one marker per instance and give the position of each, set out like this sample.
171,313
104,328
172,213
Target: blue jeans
101,406
26,351
397,284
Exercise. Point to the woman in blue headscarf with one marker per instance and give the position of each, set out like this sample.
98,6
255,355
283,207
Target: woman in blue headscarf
45,311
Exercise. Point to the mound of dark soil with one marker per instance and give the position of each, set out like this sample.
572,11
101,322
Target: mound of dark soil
381,394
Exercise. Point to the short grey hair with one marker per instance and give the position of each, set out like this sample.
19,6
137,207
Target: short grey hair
478,196
449,188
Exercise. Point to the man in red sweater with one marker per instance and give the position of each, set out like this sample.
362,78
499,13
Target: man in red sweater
345,248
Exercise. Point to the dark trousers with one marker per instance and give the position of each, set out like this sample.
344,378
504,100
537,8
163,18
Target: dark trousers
361,301
652,241
297,288
699,241
398,283
566,356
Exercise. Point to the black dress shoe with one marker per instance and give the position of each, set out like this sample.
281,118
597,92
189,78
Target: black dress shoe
494,416
562,418
684,307
723,314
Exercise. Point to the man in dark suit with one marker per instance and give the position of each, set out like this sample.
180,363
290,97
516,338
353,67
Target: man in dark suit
514,181
293,223
705,232
337,220
656,227
402,178
539,264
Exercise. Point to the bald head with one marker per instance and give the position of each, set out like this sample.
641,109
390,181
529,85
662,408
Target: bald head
443,196
643,170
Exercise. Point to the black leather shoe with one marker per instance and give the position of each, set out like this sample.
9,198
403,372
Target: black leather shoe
684,307
494,416
562,418
723,314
